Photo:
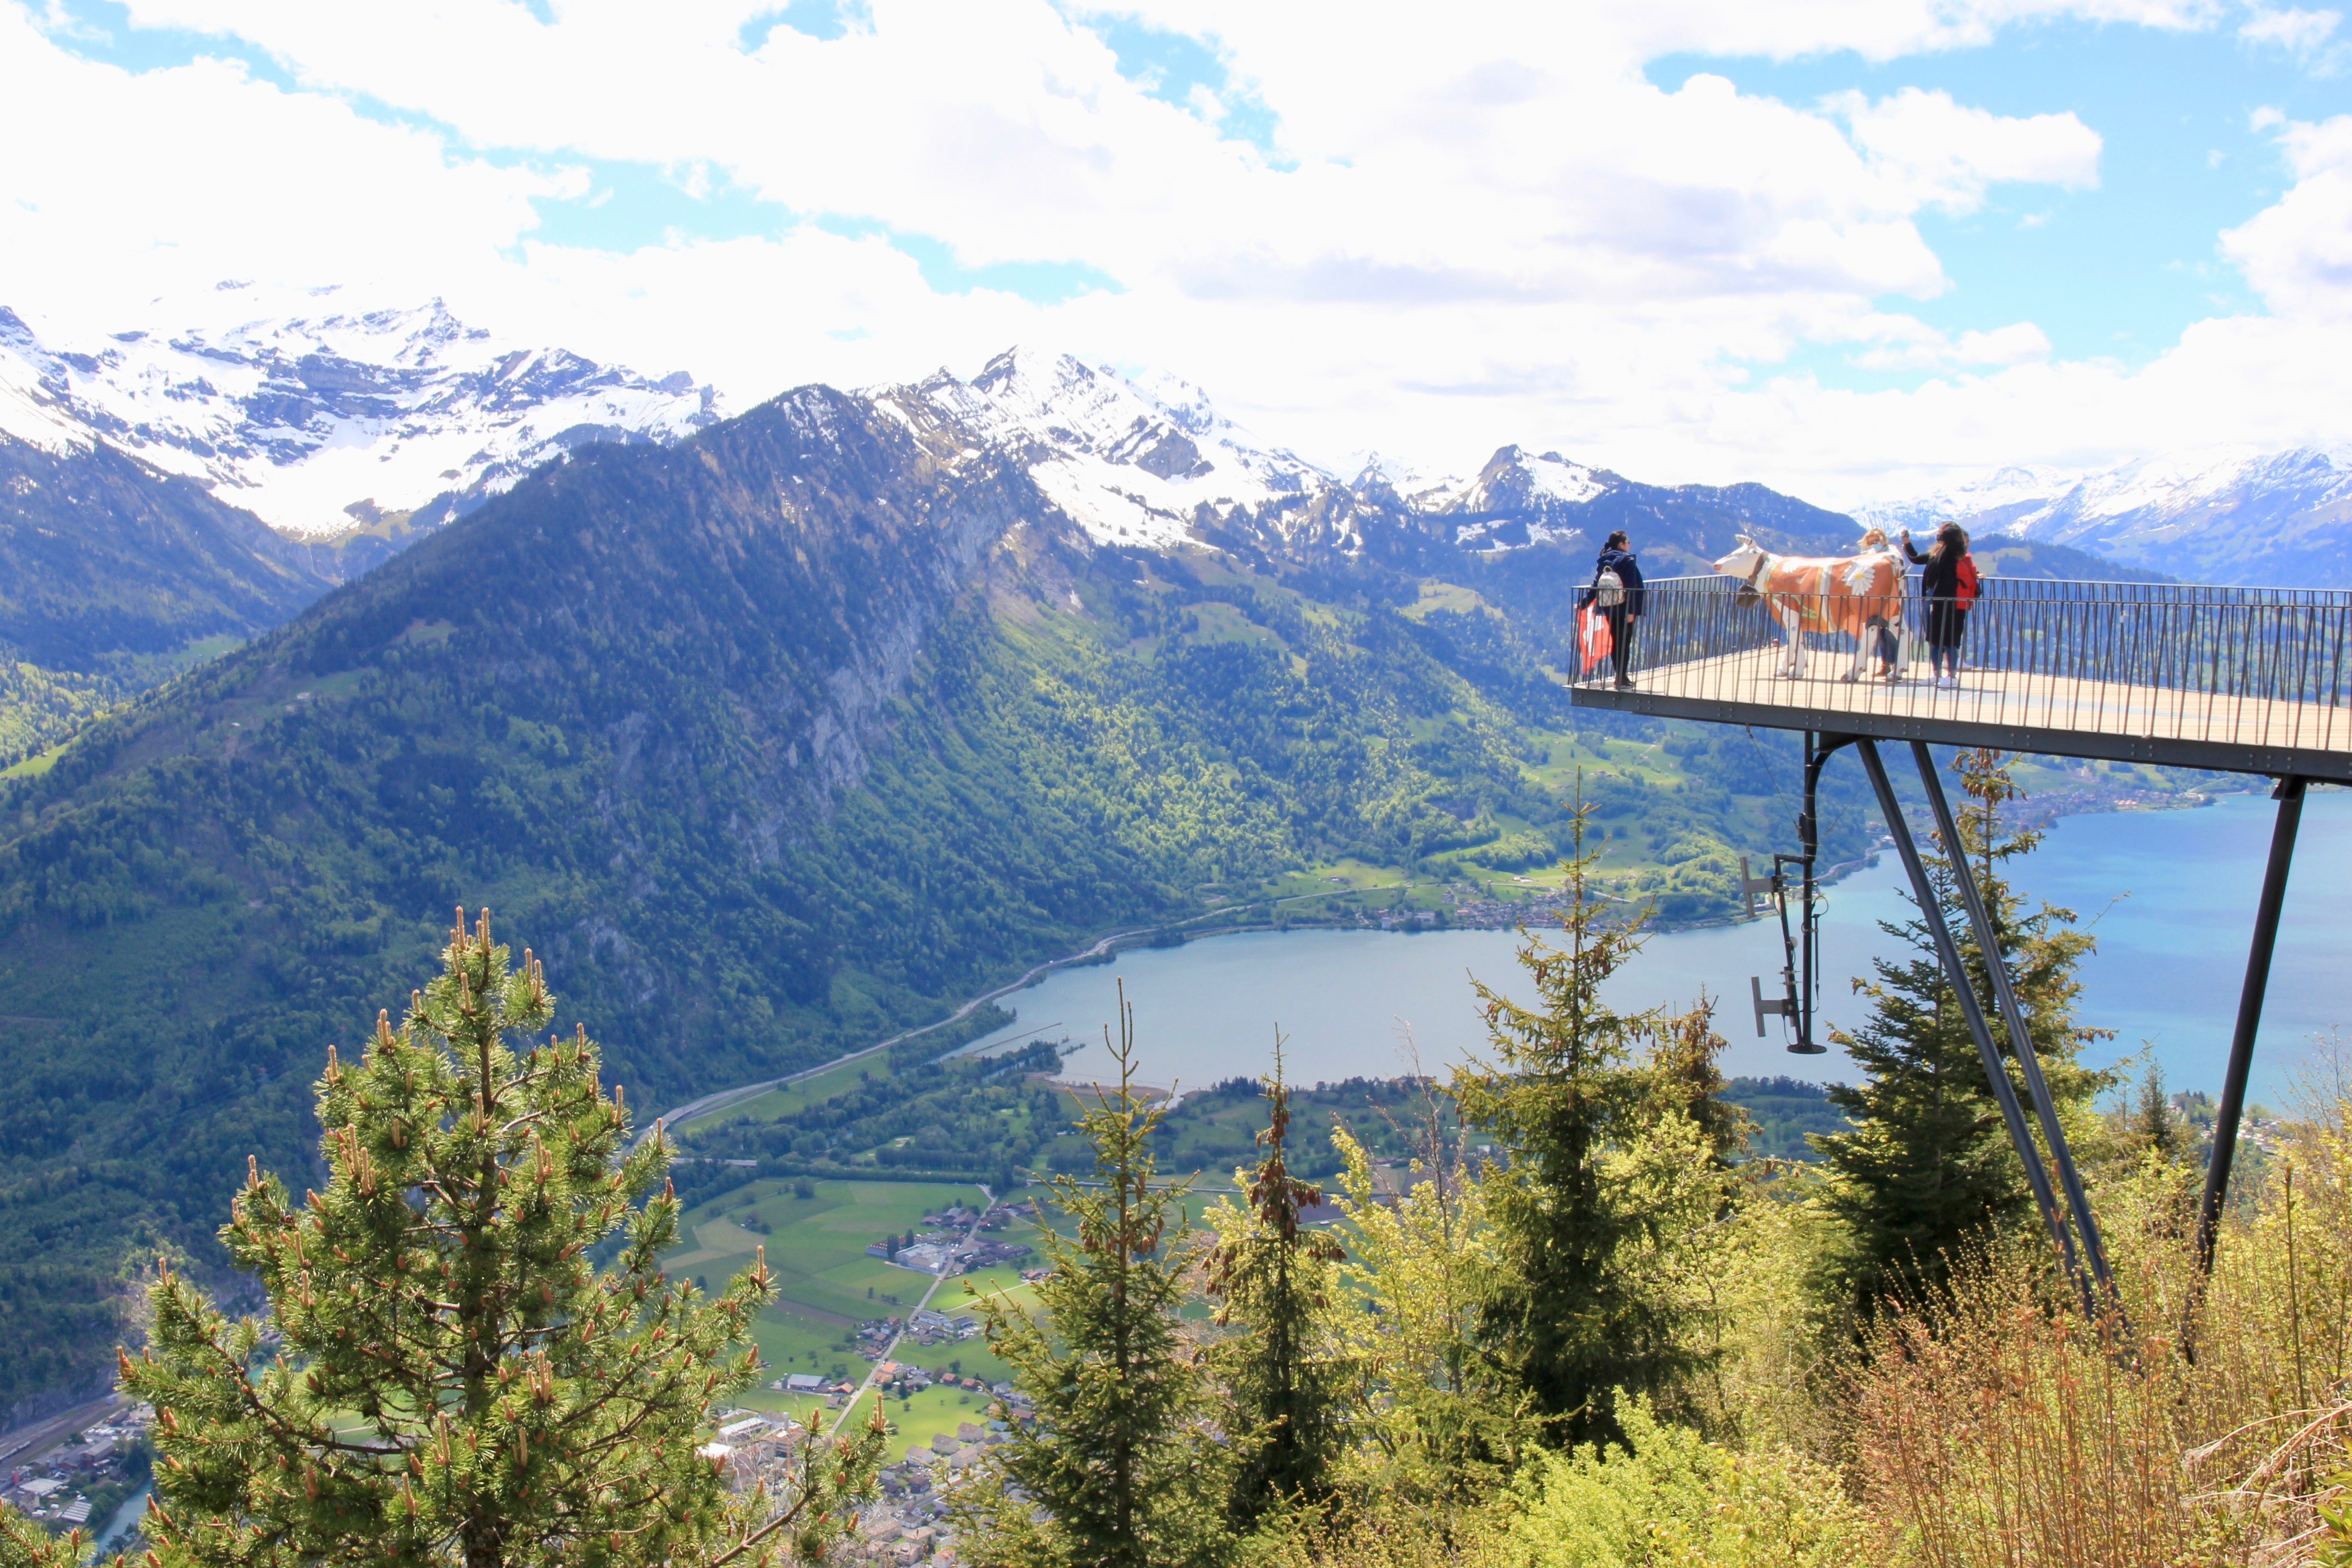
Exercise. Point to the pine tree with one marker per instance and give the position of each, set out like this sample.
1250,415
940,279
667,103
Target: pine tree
25,1545
1283,1384
1926,1175
456,1382
1118,1467
2160,1128
1614,1145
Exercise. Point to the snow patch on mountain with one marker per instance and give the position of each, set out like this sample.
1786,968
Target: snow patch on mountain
1554,477
1414,487
311,412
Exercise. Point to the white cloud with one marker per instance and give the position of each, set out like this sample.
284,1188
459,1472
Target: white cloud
120,184
2297,31
2297,253
1942,154
1921,348
1484,229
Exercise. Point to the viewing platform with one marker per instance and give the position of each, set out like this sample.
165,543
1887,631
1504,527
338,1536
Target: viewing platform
2238,679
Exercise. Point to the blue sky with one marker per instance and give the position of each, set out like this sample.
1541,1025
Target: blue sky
2121,269
1911,239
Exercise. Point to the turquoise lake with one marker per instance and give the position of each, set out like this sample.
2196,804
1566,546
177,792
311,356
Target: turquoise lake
2169,895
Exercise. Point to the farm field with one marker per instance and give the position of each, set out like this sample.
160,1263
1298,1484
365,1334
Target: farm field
816,1250
920,1418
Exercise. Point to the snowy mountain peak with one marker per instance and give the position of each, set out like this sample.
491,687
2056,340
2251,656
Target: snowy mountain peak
1133,463
2226,514
1512,479
305,414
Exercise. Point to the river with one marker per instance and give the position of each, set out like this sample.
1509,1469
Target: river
2169,895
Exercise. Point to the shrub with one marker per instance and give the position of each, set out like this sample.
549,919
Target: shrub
1673,1497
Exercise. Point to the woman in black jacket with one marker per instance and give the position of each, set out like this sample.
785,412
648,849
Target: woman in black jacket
1620,616
1948,569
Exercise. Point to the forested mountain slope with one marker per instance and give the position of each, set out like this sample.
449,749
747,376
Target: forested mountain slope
112,576
768,744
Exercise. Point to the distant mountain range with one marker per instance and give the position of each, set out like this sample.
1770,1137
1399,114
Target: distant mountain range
327,422
333,421
1149,463
319,418
175,486
2219,514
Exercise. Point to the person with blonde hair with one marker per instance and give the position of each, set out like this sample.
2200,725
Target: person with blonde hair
1874,541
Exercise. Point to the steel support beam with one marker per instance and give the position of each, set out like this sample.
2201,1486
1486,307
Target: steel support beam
2289,795
2005,996
1931,913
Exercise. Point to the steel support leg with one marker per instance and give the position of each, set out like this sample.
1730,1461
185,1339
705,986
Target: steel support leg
1931,912
2005,995
2289,795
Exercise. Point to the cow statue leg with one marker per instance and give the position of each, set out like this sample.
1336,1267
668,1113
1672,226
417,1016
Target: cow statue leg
1792,627
1862,638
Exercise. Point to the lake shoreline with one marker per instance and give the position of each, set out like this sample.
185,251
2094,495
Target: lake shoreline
2169,893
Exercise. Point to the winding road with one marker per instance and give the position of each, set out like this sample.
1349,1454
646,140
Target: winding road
719,1099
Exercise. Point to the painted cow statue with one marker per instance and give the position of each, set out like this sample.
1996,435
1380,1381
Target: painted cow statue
1857,595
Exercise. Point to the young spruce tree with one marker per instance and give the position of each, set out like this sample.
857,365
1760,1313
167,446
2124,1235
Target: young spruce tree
1276,1278
1119,1467
457,1383
1617,1174
1926,1175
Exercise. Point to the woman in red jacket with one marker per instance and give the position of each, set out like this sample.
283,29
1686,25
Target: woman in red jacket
1950,583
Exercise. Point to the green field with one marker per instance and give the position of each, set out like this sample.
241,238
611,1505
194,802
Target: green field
916,1421
816,1250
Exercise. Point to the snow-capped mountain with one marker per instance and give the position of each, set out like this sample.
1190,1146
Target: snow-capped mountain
1148,462
2232,514
1131,463
314,414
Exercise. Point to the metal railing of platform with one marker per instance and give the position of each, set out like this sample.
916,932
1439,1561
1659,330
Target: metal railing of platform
2265,668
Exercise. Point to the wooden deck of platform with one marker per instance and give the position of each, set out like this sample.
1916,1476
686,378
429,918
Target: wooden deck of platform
2014,711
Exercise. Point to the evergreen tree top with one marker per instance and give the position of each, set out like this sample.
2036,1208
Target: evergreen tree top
456,1382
